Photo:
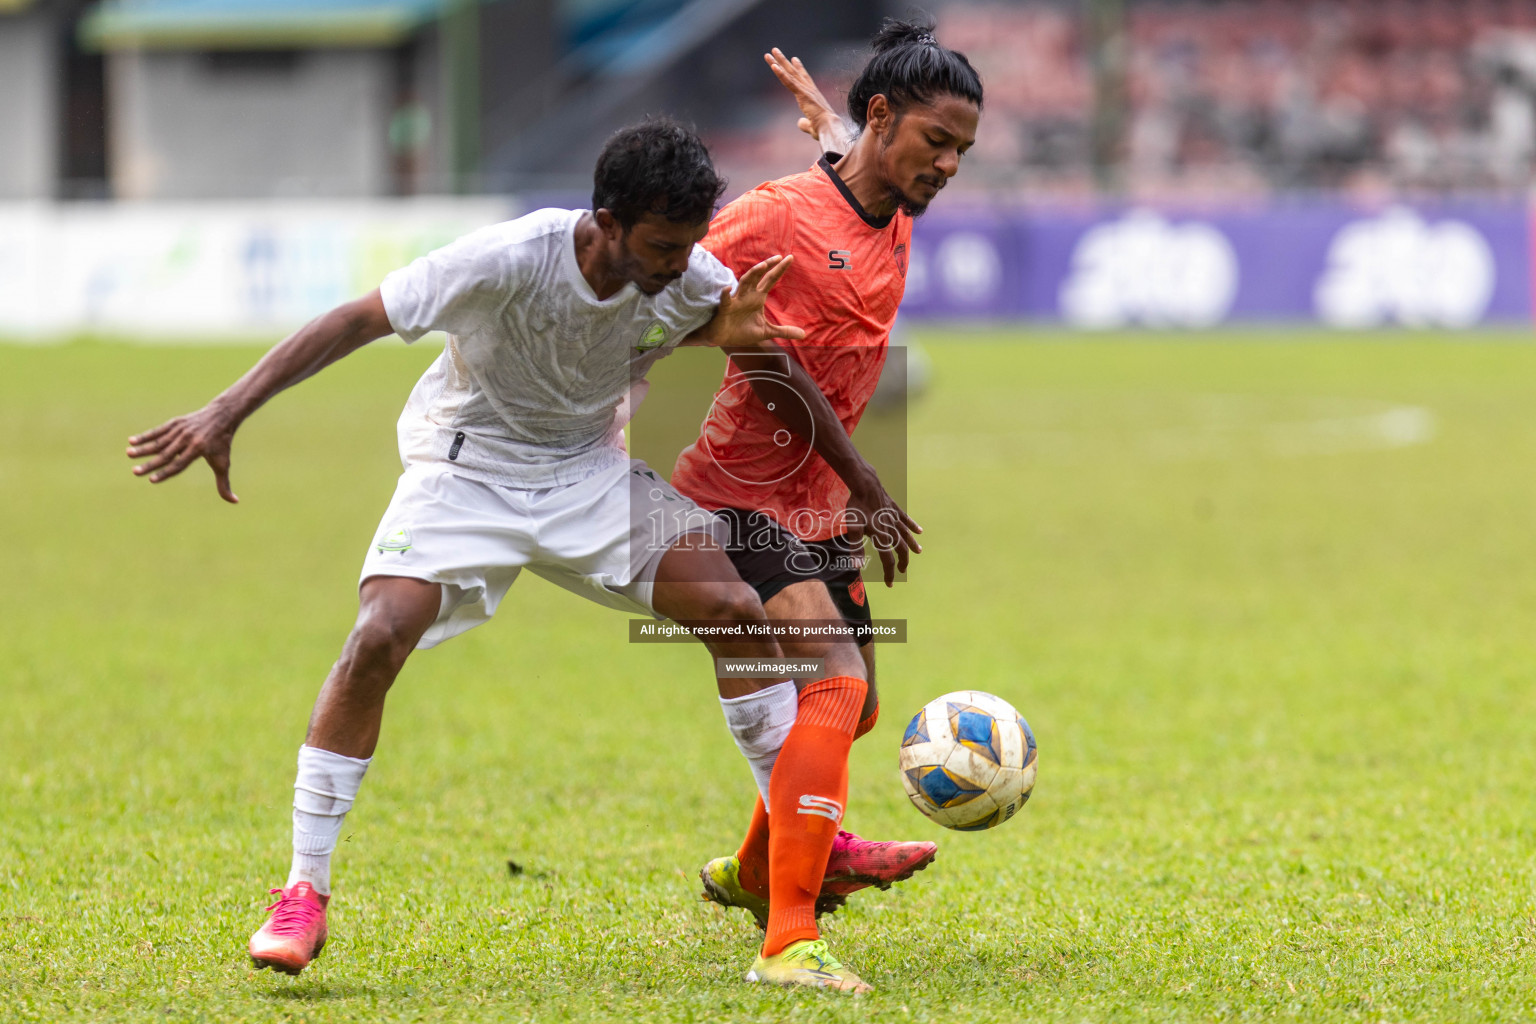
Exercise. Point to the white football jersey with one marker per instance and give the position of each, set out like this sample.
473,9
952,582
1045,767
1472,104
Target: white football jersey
538,377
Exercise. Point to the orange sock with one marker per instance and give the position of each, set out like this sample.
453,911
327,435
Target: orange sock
868,723
806,796
753,855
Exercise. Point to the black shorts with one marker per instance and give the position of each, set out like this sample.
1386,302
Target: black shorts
769,558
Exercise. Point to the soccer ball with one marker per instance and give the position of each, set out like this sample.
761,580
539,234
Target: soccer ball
968,760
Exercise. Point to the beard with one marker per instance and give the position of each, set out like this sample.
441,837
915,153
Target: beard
913,208
906,204
656,285
628,267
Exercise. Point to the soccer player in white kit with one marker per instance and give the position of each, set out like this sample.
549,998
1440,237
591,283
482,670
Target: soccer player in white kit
513,453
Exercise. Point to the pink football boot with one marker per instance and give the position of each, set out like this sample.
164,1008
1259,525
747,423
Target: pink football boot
858,863
294,934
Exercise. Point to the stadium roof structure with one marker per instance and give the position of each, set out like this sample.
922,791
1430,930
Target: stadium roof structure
255,24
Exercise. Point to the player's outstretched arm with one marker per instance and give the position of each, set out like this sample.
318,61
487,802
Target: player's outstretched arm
208,433
741,319
741,327
786,387
817,118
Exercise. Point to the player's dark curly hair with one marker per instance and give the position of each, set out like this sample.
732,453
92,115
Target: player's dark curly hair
657,166
909,66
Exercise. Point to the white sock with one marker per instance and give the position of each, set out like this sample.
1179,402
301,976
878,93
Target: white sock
322,795
761,722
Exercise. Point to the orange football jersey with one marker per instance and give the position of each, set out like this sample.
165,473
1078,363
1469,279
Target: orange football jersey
844,289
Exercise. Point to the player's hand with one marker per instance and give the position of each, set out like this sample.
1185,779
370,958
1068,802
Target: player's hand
817,118
741,320
175,445
876,515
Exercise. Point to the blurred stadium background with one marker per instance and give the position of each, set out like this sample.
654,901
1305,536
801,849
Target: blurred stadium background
231,167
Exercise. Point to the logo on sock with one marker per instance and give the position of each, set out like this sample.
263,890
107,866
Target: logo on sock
821,807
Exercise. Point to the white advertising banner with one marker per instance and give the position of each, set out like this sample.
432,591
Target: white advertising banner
209,271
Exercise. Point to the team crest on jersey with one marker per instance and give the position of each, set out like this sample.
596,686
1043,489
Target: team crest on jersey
653,337
394,540
901,258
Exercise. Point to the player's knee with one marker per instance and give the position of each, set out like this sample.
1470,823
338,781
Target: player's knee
736,603
377,648
842,659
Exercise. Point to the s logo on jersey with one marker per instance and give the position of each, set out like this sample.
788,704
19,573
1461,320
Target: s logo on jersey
901,258
653,337
839,259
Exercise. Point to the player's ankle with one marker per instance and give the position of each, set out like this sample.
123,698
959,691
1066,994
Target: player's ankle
314,870
780,940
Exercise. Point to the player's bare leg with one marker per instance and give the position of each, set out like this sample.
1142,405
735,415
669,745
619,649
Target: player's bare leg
853,863
696,584
393,613
809,601
691,588
872,702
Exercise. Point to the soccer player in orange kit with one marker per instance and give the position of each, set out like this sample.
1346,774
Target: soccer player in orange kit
798,496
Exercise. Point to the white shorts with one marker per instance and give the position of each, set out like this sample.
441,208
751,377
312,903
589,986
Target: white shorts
601,538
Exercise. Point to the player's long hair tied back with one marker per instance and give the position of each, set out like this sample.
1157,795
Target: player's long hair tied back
911,66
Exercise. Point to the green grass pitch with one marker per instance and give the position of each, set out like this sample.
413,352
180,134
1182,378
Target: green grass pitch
1269,602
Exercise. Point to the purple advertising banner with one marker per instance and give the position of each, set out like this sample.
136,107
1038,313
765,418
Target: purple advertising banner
1324,262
